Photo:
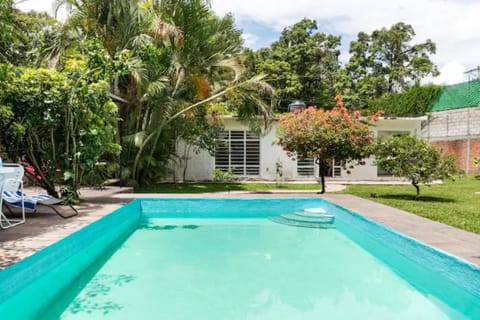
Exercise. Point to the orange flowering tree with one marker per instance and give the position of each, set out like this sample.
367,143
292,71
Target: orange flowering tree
325,135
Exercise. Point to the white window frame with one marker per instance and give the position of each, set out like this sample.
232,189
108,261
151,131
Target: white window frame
242,166
307,168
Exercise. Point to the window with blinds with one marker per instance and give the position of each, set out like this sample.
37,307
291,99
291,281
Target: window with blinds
238,151
306,167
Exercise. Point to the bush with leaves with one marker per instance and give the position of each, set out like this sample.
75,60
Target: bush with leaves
221,176
414,159
60,122
476,162
414,102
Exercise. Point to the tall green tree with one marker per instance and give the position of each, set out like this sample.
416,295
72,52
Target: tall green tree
385,61
11,32
301,64
22,34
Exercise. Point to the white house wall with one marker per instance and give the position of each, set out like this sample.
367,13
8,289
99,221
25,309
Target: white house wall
270,154
368,171
200,166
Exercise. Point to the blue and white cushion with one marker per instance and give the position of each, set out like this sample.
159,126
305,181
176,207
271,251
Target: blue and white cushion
30,202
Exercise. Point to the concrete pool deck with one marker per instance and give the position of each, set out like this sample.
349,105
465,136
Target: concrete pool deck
43,229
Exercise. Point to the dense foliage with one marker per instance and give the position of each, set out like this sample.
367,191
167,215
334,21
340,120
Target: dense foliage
414,102
385,61
301,64
304,64
23,35
165,58
10,30
325,135
61,124
413,158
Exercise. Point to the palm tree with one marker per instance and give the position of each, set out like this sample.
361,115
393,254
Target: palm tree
178,56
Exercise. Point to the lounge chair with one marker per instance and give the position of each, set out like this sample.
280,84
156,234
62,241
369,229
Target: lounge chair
13,198
11,180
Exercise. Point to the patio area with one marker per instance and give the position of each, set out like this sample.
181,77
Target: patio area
45,228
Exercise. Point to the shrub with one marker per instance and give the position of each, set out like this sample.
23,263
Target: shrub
413,158
415,102
221,176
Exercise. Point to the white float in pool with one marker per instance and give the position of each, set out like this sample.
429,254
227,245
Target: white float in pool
315,210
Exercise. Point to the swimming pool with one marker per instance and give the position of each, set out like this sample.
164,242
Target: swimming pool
222,259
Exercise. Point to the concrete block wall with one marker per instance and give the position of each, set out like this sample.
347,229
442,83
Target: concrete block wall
453,123
456,132
474,118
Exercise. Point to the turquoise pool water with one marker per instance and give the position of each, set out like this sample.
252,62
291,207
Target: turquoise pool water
222,259
246,269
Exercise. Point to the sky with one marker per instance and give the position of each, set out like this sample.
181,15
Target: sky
451,24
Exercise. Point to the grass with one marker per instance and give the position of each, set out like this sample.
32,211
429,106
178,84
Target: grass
454,202
222,187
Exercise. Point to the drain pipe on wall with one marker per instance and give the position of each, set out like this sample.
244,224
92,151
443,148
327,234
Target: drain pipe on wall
467,165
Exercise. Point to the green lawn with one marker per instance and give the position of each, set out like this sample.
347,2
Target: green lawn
221,187
454,202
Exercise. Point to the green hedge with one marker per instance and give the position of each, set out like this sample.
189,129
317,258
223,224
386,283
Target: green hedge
415,102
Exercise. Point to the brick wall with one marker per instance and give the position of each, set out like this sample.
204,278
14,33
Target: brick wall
452,130
459,148
474,153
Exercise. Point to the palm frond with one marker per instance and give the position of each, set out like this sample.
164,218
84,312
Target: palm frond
141,40
234,65
155,88
137,69
135,139
162,30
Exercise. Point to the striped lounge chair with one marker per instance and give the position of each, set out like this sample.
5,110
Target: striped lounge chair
13,198
31,202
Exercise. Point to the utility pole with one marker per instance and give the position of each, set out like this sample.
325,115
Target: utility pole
473,74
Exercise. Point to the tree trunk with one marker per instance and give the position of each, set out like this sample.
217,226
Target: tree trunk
186,152
321,171
417,187
45,182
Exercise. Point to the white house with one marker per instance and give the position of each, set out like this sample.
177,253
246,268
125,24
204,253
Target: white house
257,158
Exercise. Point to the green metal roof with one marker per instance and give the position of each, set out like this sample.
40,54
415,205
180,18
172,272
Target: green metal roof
457,96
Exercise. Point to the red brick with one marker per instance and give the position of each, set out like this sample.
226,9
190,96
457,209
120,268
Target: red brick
458,148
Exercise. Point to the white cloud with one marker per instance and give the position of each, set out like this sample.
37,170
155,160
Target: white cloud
450,73
250,40
42,5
